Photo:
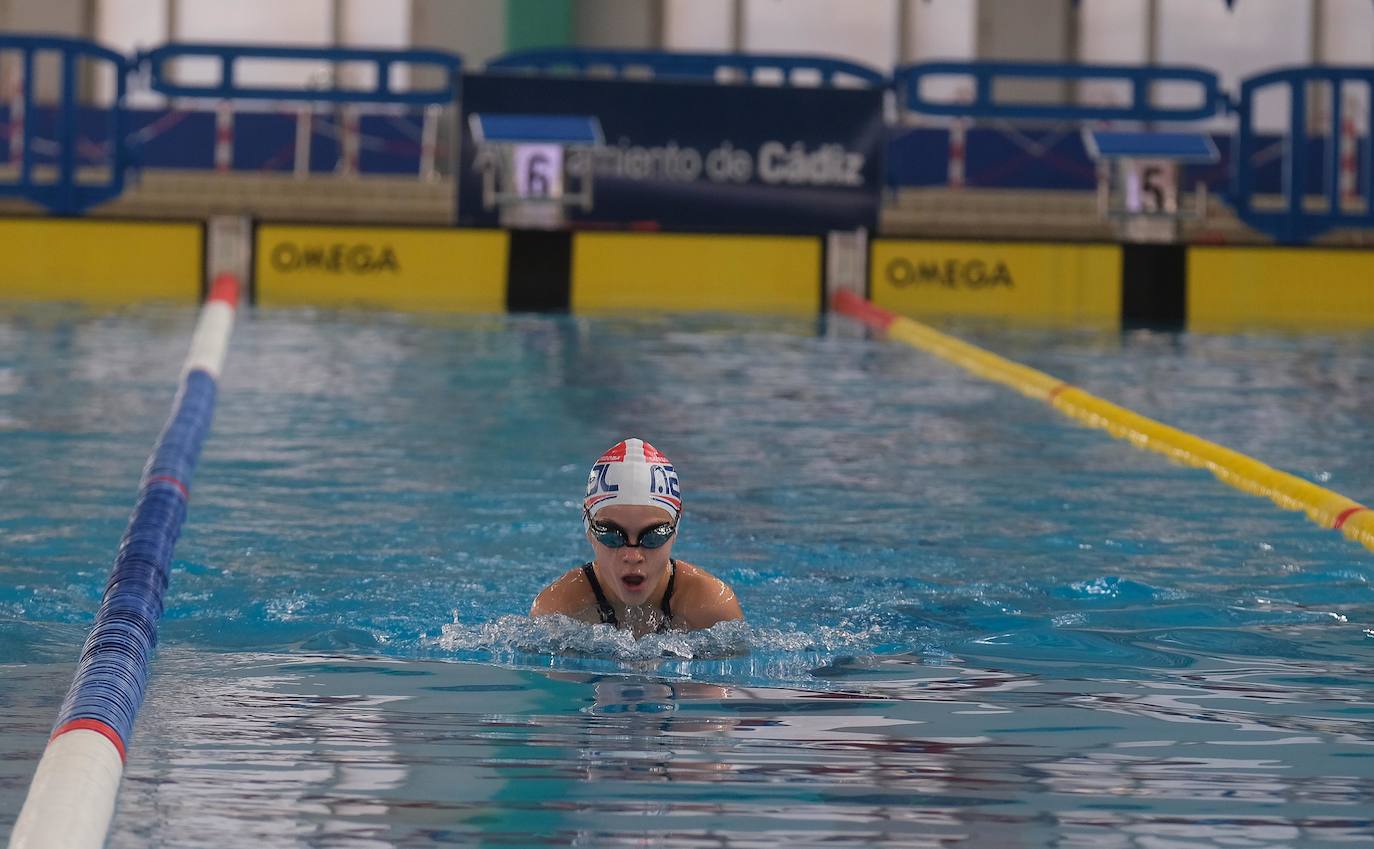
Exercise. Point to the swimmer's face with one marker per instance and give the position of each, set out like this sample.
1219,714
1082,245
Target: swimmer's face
632,574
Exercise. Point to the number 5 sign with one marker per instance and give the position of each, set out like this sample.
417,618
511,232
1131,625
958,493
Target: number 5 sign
1151,185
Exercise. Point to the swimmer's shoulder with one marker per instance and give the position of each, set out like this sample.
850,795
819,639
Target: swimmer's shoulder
700,599
569,594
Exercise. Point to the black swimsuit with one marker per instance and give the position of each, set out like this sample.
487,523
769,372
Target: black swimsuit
608,613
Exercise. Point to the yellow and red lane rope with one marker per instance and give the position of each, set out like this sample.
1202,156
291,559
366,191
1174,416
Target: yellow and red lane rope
1323,506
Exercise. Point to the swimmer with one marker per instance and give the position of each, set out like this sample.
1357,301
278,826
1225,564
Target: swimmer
631,514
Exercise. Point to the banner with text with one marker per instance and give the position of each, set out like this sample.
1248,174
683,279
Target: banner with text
1072,283
693,156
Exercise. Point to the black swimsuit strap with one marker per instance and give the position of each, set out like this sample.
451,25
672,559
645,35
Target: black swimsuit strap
602,605
666,604
607,612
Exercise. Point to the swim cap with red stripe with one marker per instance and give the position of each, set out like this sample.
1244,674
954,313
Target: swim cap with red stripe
633,472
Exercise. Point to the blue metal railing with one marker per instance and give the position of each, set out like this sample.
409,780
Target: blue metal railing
50,176
705,67
231,56
65,194
907,79
1295,222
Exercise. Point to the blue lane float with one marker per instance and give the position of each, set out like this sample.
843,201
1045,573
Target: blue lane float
71,799
111,677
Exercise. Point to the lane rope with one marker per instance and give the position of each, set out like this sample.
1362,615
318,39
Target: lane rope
72,796
1325,507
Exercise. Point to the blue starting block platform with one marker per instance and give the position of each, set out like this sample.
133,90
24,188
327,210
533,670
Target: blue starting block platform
1138,176
1177,147
523,159
567,130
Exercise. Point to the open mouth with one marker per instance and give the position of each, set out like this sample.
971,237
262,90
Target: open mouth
633,582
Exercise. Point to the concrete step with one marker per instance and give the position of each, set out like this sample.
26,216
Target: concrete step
275,197
927,212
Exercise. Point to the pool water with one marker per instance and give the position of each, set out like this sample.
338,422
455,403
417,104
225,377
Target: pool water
970,622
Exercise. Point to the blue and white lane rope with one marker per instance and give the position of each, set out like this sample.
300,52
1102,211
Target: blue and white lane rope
71,799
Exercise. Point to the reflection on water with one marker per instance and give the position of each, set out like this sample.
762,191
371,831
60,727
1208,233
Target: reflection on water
969,621
335,751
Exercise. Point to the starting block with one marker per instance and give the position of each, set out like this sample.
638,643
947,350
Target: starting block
522,159
1138,180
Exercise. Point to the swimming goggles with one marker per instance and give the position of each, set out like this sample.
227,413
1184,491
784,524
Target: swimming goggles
612,536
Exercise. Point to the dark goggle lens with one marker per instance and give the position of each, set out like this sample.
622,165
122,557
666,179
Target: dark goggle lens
655,537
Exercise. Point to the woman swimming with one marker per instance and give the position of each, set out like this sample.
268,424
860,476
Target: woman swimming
631,513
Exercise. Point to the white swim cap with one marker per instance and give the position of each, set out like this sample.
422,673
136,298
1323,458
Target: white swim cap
633,472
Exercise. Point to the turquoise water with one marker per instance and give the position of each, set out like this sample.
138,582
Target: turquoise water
970,622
